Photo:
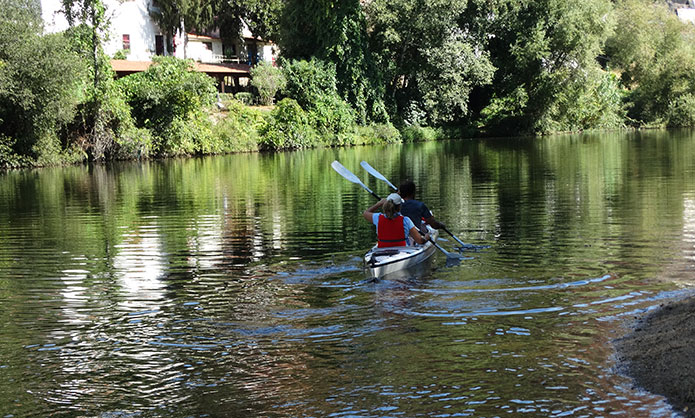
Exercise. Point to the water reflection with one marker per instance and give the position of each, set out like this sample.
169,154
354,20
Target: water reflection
233,285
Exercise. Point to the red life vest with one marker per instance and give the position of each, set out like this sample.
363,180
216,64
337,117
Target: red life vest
390,232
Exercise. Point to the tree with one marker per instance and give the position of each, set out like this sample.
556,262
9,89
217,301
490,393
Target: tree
336,31
92,13
430,65
268,80
227,16
655,55
40,80
542,50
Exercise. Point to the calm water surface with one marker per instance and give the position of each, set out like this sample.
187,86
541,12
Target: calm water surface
232,286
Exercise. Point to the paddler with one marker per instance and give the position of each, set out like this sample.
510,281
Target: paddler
392,228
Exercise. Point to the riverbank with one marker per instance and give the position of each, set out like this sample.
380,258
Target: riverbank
659,354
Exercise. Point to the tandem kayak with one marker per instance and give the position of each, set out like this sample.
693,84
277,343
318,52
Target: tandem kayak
379,262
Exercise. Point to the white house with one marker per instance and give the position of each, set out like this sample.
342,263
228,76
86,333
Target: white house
133,31
686,14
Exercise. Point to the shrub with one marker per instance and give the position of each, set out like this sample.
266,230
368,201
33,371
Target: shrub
414,133
186,136
8,158
40,82
246,98
334,121
288,128
309,82
121,54
383,133
239,131
268,80
313,85
682,111
167,91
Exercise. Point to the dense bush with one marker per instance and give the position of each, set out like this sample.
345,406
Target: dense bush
657,66
268,80
288,127
246,98
40,81
312,85
184,136
382,133
168,99
415,133
682,112
238,131
593,100
168,90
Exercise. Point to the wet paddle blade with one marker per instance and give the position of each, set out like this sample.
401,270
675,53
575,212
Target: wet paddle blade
371,170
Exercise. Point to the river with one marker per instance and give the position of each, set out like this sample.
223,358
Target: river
232,286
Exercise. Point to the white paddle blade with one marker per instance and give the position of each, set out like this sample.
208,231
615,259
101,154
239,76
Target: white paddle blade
349,176
371,170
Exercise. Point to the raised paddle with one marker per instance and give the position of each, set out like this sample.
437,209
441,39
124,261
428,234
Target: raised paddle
451,258
371,170
351,177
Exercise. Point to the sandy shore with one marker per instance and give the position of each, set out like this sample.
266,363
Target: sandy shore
659,354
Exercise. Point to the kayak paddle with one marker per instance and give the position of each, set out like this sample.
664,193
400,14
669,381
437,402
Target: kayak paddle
371,170
451,259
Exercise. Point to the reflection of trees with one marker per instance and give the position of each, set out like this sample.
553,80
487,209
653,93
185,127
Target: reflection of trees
83,248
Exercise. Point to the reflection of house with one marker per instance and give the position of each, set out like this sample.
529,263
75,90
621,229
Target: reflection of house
136,37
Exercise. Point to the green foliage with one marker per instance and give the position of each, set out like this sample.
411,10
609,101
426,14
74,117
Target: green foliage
657,65
431,64
334,120
246,98
186,136
239,131
415,133
40,83
682,112
288,128
336,32
312,85
8,157
542,51
309,82
504,114
381,133
168,90
268,80
121,54
593,101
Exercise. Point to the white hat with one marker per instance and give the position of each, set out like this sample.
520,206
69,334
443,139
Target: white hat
395,198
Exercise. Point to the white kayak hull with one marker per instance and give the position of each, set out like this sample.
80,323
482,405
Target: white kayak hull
380,262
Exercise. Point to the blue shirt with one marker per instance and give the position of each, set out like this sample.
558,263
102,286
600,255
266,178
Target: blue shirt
416,211
407,224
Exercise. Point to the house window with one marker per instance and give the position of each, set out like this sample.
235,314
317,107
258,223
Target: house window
208,45
126,42
158,44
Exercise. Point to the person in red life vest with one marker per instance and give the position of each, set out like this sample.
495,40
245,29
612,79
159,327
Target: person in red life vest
415,209
392,228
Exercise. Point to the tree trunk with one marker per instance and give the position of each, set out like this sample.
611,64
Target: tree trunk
95,47
185,38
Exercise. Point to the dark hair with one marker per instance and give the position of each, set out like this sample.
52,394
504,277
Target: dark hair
407,189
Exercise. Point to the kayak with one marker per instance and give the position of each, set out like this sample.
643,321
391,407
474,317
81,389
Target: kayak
379,262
